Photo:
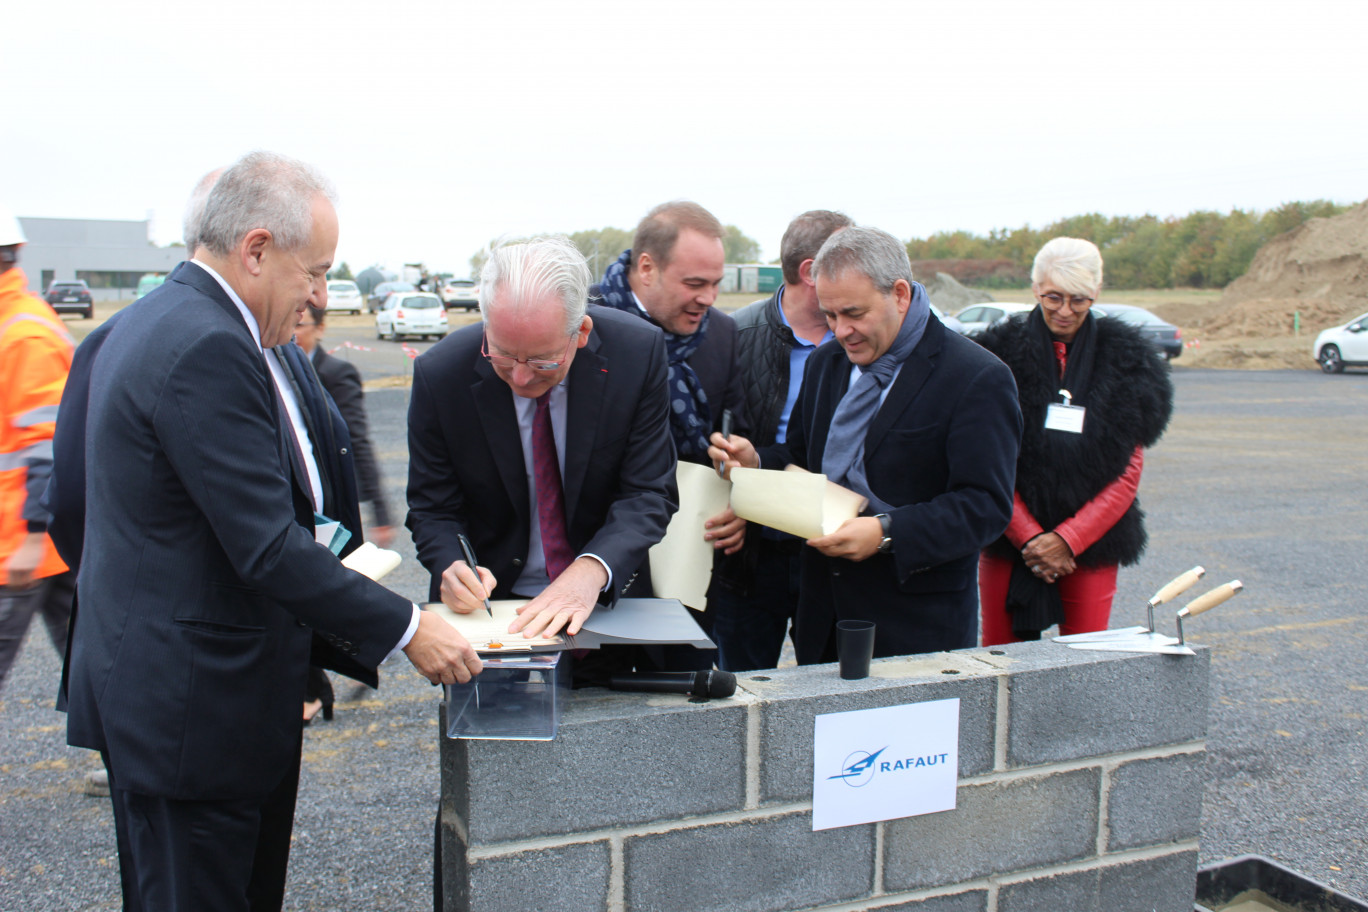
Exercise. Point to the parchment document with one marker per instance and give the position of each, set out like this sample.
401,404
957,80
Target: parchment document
368,560
681,562
795,501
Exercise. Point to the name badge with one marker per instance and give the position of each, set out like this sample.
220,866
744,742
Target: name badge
1065,416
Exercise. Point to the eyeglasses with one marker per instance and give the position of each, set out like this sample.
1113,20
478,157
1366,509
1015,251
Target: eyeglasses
537,364
1054,301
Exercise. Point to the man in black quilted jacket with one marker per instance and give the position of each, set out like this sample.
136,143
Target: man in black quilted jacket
755,591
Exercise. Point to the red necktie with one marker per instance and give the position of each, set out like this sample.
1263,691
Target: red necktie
550,497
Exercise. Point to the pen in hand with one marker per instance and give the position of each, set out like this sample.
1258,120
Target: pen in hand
726,432
469,553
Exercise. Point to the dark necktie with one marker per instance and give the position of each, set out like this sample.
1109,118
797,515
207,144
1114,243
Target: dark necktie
550,496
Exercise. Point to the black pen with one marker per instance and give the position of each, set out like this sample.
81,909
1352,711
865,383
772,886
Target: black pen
726,432
470,559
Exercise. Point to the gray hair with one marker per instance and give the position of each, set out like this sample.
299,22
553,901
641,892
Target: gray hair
1075,265
540,266
263,190
194,210
875,254
805,236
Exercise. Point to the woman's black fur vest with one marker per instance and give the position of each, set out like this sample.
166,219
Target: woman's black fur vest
1129,401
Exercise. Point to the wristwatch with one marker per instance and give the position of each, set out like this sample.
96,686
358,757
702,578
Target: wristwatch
885,523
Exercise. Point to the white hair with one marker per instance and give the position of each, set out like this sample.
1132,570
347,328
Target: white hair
1072,264
526,271
263,190
194,210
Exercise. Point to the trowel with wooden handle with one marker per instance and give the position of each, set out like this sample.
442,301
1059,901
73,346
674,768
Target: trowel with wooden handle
1143,643
1169,591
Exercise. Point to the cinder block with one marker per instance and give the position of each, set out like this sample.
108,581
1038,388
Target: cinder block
569,877
768,865
1155,801
1104,703
969,901
1166,884
618,760
996,827
792,697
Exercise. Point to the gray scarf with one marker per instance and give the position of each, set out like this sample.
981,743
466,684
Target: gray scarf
843,459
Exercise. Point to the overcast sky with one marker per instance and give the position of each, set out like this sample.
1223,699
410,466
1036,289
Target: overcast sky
445,124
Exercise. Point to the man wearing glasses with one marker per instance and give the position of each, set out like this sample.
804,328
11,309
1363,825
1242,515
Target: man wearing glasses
542,436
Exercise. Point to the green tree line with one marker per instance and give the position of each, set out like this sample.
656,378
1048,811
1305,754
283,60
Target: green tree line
1203,249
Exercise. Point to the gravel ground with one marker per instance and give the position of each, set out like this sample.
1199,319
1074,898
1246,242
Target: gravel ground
1255,480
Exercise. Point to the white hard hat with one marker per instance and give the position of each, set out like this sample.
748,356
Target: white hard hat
10,232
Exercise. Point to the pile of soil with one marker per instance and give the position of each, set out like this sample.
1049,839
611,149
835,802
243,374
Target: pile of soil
950,296
1309,279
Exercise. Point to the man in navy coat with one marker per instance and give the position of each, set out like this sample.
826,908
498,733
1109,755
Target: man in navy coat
200,580
922,422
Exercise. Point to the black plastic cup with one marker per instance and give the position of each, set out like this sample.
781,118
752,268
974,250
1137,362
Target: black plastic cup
855,647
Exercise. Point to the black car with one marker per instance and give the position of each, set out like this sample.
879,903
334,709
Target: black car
1167,338
71,297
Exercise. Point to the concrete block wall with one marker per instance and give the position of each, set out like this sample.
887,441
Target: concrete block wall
1080,789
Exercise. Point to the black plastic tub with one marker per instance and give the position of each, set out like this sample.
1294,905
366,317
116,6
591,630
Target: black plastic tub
1221,882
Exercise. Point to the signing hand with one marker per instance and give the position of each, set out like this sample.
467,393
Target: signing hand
726,530
463,591
732,452
1048,557
566,603
440,653
857,539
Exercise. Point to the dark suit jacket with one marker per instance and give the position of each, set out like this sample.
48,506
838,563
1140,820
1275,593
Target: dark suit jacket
200,577
719,372
466,463
343,382
941,449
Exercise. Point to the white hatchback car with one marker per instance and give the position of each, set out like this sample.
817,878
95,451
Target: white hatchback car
981,316
417,313
1343,346
343,295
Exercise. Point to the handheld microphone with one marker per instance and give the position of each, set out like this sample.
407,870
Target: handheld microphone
704,684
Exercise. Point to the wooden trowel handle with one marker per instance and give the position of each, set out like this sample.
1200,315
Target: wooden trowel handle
1211,599
1177,586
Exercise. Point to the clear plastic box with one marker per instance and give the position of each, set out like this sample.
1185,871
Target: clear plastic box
515,698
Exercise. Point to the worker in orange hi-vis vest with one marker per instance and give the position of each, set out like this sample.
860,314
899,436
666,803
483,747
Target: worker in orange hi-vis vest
35,356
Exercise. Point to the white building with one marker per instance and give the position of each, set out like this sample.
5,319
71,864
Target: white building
109,255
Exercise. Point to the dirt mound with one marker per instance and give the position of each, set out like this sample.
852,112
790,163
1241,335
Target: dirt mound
950,296
1319,270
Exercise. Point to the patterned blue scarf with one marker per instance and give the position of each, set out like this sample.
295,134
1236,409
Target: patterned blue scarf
690,416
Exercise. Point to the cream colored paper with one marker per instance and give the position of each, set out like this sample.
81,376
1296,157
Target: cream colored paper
371,561
795,501
681,563
490,634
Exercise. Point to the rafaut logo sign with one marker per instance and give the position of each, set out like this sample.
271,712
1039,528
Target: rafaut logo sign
886,763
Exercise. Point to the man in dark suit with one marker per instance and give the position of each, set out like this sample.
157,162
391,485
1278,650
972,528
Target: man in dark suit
200,577
922,422
562,512
343,382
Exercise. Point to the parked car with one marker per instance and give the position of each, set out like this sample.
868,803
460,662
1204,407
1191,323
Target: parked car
980,316
71,297
419,313
384,290
1343,346
148,282
343,295
1167,338
950,322
461,293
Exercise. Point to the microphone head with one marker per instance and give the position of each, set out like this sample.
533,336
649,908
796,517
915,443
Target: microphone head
714,683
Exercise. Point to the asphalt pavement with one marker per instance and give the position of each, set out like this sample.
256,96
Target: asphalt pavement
1258,478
